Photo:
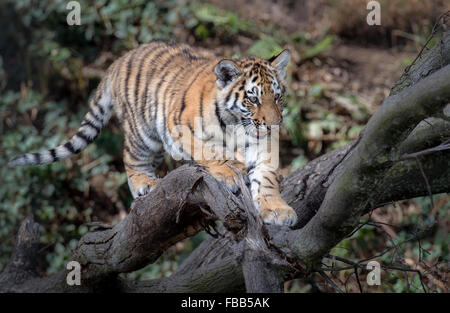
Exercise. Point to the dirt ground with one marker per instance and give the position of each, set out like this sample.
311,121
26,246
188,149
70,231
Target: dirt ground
369,70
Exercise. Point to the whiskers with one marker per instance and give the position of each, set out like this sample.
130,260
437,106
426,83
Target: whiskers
252,129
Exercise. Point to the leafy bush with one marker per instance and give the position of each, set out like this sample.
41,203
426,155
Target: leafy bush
43,72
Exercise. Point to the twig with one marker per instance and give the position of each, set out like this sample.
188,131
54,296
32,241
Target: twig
426,181
442,147
357,279
330,282
433,32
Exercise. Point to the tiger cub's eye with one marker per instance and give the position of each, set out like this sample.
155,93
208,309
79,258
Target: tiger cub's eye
253,100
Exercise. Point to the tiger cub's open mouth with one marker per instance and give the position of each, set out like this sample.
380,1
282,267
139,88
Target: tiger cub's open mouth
259,133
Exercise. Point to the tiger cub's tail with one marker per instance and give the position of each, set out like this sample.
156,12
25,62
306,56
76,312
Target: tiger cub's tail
98,116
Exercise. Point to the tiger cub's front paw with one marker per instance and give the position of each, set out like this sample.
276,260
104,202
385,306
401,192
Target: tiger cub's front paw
277,212
225,173
143,185
142,191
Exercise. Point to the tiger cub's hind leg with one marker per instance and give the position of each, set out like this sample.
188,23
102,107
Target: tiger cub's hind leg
141,171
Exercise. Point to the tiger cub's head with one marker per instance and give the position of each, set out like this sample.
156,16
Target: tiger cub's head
252,91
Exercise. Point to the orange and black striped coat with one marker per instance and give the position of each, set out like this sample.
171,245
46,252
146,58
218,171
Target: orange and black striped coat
175,99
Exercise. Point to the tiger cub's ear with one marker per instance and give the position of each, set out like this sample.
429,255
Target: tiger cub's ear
227,71
280,62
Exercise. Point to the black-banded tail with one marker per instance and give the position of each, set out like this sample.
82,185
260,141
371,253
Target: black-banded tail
97,117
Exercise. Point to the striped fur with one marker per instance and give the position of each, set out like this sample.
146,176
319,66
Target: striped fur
97,117
159,86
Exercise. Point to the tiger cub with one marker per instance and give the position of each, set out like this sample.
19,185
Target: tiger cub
159,87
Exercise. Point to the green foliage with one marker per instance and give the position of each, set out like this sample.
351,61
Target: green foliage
44,190
210,21
323,45
293,120
265,47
